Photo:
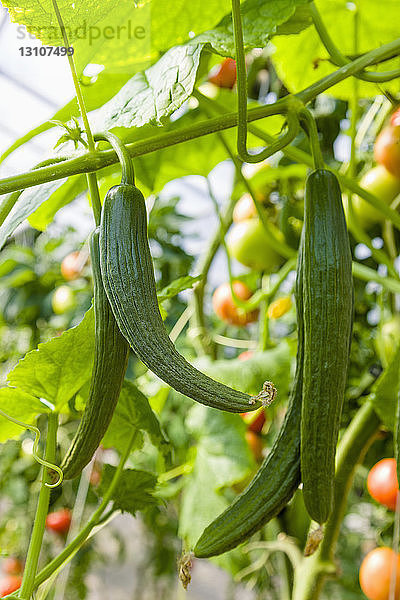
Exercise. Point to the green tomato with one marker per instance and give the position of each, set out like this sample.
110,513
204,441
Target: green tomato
250,244
383,185
387,339
63,300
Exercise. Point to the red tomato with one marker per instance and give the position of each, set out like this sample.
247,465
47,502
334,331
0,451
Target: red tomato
59,521
387,149
245,355
244,209
9,584
72,265
225,307
382,482
255,420
255,444
12,566
375,573
224,74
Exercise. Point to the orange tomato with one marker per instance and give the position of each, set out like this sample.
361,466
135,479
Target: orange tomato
224,74
9,584
375,573
225,307
382,482
72,265
387,149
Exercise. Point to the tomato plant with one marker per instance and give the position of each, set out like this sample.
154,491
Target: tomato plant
225,307
59,521
250,244
132,351
376,572
382,482
224,74
387,149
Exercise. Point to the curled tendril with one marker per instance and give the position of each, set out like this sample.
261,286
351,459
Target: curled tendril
41,461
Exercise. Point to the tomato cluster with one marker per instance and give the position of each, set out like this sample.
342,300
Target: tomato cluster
11,578
383,181
378,566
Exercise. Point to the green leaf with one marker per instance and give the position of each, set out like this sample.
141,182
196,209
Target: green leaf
66,193
22,407
260,21
222,459
179,285
133,412
153,95
248,376
59,367
301,59
384,393
134,490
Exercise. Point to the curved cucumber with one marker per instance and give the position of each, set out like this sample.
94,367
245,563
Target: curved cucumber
128,279
327,314
110,362
276,480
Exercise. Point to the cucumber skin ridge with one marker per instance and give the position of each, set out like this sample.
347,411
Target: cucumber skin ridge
328,311
110,363
128,278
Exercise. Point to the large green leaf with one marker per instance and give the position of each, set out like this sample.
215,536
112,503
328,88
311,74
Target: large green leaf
260,21
134,490
151,96
133,412
59,367
20,406
301,59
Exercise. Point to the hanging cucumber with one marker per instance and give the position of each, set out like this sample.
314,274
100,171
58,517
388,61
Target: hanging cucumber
276,480
128,278
327,315
110,362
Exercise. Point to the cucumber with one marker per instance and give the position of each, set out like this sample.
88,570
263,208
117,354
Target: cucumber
110,362
276,480
327,315
128,278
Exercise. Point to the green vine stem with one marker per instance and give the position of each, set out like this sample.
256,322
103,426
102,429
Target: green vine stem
338,58
313,571
82,536
128,174
91,177
310,126
41,513
292,120
94,161
367,274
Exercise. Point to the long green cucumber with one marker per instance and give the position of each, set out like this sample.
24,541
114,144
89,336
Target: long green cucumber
276,480
110,362
128,278
327,314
